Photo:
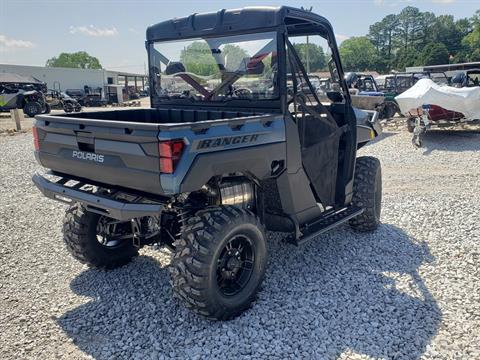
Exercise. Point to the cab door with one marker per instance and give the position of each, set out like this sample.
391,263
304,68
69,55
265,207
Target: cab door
322,118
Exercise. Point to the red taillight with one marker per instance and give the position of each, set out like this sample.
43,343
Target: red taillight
36,143
170,152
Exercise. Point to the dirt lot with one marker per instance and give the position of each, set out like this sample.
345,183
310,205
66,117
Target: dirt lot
410,290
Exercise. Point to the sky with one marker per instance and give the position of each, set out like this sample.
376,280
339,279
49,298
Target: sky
114,31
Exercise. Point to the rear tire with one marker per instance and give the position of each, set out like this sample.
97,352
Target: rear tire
390,110
68,107
367,193
219,261
80,236
32,108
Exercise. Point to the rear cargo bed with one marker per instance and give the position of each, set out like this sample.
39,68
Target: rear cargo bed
118,147
160,116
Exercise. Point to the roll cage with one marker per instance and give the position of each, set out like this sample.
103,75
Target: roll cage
284,21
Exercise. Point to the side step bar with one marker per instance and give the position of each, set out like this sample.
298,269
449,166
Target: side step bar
325,223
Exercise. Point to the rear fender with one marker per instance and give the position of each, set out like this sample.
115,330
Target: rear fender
223,148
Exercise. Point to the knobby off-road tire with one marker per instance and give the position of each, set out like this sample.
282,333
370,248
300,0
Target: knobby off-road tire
32,108
367,193
68,107
198,266
80,237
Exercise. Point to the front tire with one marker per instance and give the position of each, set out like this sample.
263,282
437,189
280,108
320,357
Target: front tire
68,107
82,234
367,193
390,110
219,261
32,108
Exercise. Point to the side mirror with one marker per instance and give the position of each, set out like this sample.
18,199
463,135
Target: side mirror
335,96
174,67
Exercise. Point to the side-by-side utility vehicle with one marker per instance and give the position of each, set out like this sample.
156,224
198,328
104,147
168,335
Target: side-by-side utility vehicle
226,151
22,92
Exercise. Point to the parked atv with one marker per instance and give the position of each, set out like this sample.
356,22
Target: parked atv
366,95
394,84
88,96
31,101
467,78
217,160
60,100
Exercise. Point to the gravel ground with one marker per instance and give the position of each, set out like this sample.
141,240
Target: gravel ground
410,290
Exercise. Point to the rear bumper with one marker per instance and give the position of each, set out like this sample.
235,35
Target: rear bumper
118,209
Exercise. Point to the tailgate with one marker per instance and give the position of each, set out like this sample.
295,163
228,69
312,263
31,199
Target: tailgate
115,153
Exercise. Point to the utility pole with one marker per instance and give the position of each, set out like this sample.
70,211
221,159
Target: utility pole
307,51
308,55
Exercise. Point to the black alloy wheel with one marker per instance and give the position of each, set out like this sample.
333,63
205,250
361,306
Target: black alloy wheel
235,265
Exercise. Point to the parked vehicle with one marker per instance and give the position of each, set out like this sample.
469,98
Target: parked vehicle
394,84
145,92
21,92
304,88
429,106
362,82
215,162
93,96
88,96
76,94
60,100
366,95
467,78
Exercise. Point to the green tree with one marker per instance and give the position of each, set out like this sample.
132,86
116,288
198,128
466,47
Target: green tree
409,28
400,39
381,34
405,58
434,54
358,54
233,55
197,58
316,56
472,41
79,60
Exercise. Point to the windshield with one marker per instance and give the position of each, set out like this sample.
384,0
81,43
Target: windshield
473,78
439,78
216,69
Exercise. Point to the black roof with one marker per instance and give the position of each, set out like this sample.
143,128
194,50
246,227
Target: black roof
248,19
18,79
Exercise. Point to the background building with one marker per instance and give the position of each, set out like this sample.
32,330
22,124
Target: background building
448,69
69,78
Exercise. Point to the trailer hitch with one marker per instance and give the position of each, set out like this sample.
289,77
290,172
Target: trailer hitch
139,238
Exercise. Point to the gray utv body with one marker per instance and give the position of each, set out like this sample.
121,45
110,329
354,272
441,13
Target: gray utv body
301,164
